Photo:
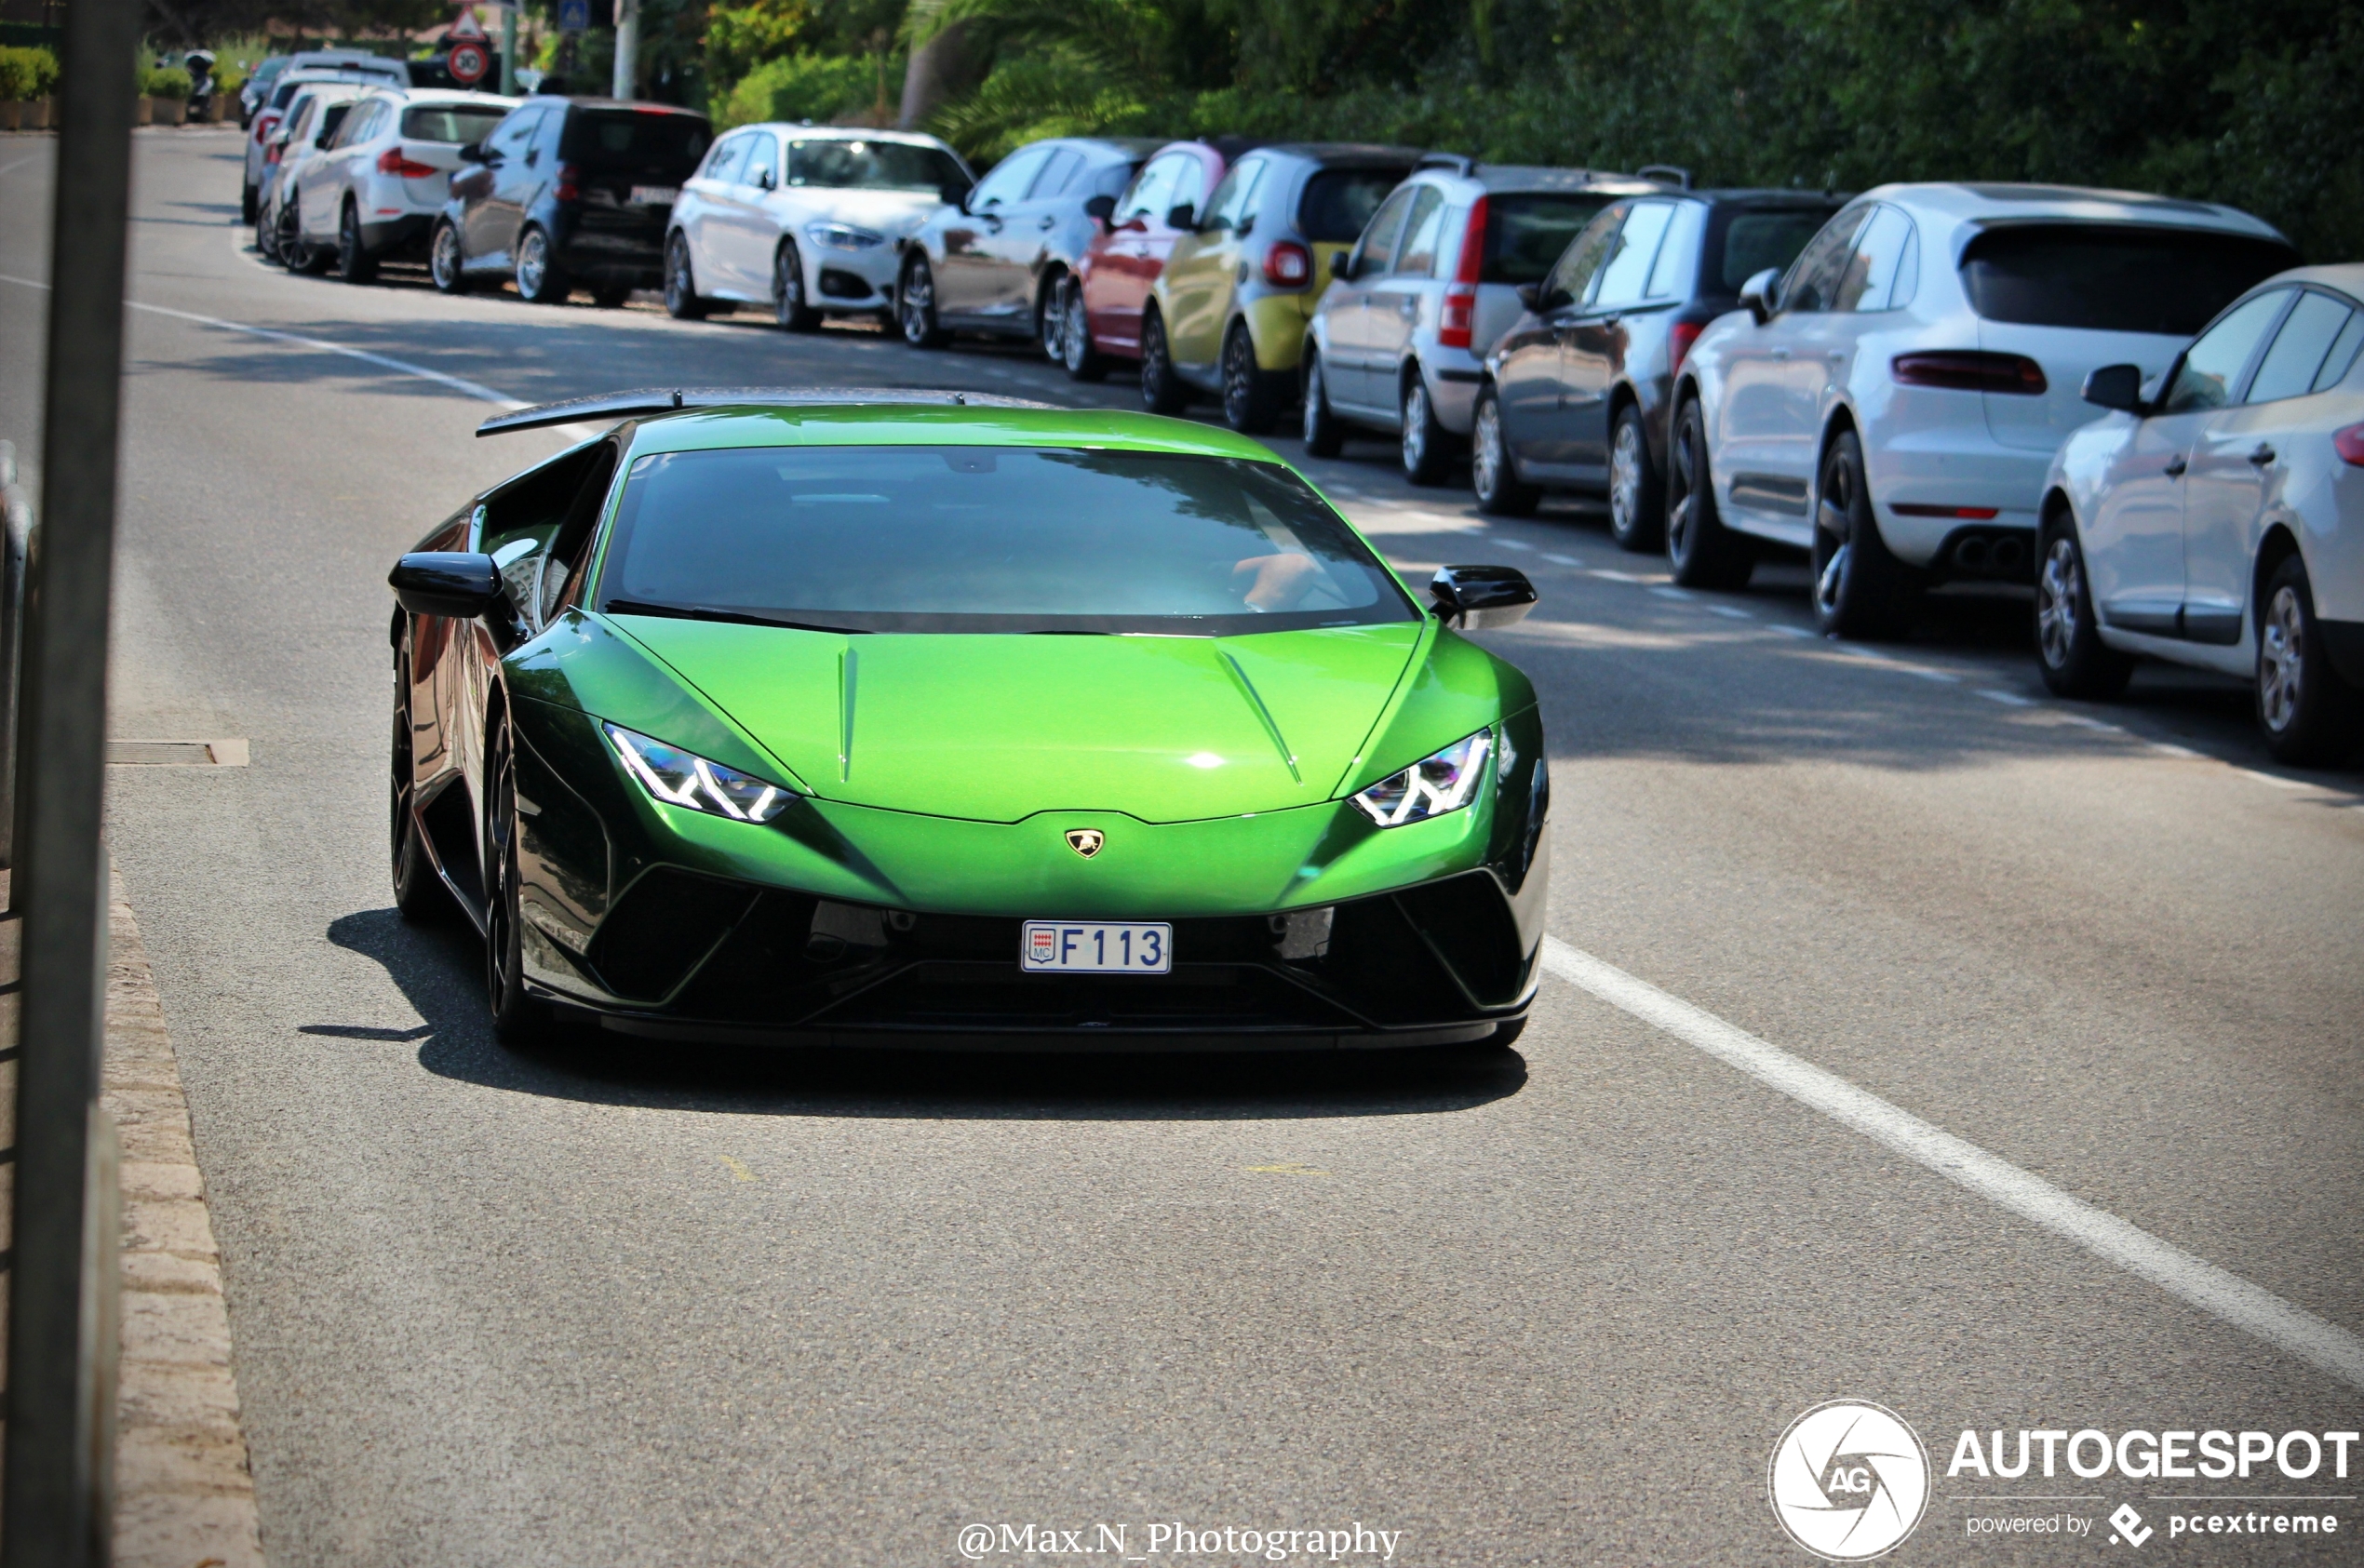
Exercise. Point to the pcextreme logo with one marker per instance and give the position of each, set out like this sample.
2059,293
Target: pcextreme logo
1848,1481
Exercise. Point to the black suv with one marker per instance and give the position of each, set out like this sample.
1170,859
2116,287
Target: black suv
1575,394
568,191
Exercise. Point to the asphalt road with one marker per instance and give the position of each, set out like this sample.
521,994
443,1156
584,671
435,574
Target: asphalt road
1553,1307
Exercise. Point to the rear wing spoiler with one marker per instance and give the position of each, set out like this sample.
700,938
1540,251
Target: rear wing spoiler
646,401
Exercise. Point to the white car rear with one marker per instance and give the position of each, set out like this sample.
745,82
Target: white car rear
1892,403
2219,520
374,192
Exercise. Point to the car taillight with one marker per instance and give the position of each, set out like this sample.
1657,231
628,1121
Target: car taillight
1966,514
1458,318
1679,338
1287,264
1969,371
566,189
2349,444
393,161
264,125
271,154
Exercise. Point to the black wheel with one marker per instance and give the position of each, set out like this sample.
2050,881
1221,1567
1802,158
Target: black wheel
354,264
1323,435
1252,396
1083,358
789,307
610,296
295,254
1703,552
1162,392
1859,589
250,203
518,1017
1051,318
681,300
1493,477
1428,445
1637,496
2308,714
2069,649
915,307
419,893
266,236
446,262
540,280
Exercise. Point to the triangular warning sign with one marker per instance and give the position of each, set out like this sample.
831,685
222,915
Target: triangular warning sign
467,26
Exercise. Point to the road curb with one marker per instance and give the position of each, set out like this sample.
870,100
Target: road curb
183,1492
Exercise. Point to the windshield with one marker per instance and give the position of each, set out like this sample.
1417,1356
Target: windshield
986,538
872,166
645,142
2114,277
1752,241
1338,202
463,123
1526,235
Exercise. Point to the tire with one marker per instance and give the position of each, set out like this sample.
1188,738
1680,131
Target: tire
1492,479
789,307
1079,357
1162,392
1637,494
354,264
915,307
1252,396
1702,552
2307,714
447,264
681,301
519,1017
294,253
2069,650
1426,445
1051,319
419,894
1323,434
540,280
266,236
250,203
1861,589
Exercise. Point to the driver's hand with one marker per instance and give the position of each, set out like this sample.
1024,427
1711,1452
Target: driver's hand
1280,580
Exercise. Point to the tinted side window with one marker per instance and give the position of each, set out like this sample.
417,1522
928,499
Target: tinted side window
2342,354
1526,234
2213,365
1417,256
1010,176
763,159
1377,249
2114,276
1231,200
2290,367
1813,283
1627,267
1339,202
1572,279
723,164
1190,186
1754,239
1057,170
515,131
1152,191
1869,283
1678,260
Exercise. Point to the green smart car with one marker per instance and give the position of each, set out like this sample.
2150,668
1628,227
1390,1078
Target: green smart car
930,719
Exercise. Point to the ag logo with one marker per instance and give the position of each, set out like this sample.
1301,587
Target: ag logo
1086,841
1848,1481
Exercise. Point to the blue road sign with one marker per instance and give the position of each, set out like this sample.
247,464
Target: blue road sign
574,16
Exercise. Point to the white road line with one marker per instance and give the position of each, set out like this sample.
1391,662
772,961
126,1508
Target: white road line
1793,631
2170,749
1561,560
2269,778
1511,545
2195,1281
2008,699
1672,593
1728,610
2084,723
1614,576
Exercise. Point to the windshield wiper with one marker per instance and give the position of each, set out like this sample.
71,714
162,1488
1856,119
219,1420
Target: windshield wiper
735,617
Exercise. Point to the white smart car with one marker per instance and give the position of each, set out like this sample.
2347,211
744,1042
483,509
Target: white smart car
805,219
2216,517
1892,401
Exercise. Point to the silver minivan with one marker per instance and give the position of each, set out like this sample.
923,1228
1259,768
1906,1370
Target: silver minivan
1399,343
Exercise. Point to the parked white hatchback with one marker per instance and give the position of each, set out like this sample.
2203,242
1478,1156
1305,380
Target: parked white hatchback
2216,517
1892,401
375,190
805,219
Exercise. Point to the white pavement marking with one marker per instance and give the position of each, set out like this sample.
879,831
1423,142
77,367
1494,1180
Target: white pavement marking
2195,1281
1672,593
1561,560
1794,631
2269,778
1614,576
1736,615
1512,544
2008,699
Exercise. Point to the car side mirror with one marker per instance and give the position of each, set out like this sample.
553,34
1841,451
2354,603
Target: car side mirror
1480,598
459,585
2115,386
1100,208
1182,217
473,152
1342,265
1530,296
1756,294
322,140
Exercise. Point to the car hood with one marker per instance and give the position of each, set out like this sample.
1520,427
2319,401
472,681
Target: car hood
997,728
889,212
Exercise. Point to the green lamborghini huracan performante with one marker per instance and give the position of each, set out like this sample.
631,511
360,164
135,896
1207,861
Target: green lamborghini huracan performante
924,719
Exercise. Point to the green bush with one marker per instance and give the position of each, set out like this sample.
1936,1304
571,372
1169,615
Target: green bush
27,73
166,81
807,87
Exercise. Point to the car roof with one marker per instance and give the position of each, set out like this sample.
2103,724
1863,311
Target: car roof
841,133
449,95
1985,202
1345,154
1772,195
641,105
2345,276
1515,177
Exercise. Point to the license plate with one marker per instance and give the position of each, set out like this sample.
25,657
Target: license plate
1096,947
655,195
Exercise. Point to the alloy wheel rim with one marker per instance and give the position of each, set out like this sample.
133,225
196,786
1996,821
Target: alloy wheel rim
2056,594
791,286
533,266
1073,336
445,263
1310,419
1416,427
1235,376
1485,455
1625,480
918,294
1832,579
2281,660
676,276
1679,512
349,234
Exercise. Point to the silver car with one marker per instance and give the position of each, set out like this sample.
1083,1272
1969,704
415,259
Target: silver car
314,115
373,192
1400,340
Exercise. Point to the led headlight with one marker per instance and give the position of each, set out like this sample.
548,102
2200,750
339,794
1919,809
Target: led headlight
679,779
1445,781
842,236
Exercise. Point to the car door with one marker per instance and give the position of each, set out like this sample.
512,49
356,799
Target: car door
2236,466
1391,306
493,216
705,196
1203,272
1592,341
1026,230
1135,250
321,200
1346,305
742,234
969,275
1764,437
1528,372
2134,541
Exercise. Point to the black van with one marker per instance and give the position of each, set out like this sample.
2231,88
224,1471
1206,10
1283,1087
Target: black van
567,191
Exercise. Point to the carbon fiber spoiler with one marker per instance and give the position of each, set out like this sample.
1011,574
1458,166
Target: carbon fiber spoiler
644,401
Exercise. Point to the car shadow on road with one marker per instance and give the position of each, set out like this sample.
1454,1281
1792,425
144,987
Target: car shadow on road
439,970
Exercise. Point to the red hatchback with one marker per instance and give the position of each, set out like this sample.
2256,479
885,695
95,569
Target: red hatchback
1100,306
